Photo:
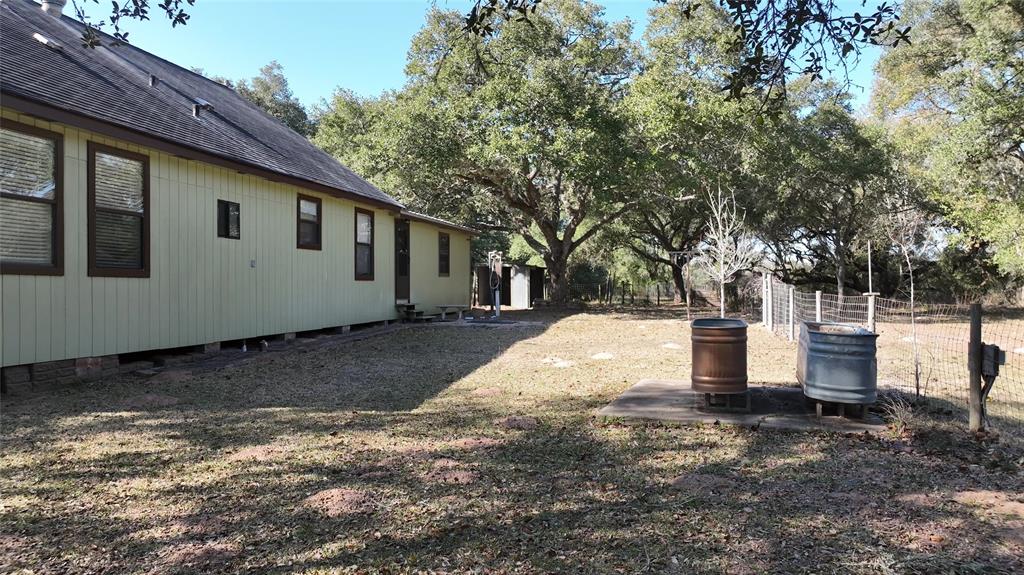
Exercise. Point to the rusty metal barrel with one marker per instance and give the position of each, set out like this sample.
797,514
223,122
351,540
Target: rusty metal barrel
836,363
719,355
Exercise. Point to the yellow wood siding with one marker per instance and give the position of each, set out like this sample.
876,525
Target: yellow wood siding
201,288
427,288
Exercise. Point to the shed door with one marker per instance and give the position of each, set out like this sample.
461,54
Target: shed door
402,260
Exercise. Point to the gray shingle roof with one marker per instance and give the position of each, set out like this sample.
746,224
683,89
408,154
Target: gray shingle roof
112,84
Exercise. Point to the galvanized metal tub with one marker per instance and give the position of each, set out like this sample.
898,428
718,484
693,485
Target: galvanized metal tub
719,351
836,363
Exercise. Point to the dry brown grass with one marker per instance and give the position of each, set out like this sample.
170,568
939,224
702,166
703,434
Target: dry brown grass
466,449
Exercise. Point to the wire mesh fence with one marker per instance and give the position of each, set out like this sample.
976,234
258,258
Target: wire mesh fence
742,297
922,349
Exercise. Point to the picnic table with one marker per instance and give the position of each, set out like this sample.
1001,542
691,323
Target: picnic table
454,307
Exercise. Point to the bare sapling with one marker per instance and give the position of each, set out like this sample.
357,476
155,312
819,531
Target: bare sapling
907,228
728,248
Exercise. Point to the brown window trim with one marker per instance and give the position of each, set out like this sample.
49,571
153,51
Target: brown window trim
319,222
57,233
355,244
448,256
95,270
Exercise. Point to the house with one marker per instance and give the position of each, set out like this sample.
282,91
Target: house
144,207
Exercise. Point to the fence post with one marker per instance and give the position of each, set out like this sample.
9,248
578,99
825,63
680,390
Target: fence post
622,294
975,408
791,289
771,305
871,313
817,306
764,300
657,289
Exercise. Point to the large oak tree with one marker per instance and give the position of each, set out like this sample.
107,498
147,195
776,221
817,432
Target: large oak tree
528,118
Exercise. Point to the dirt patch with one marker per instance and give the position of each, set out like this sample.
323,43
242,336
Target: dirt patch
203,525
340,502
195,557
931,537
697,483
151,401
486,392
520,422
923,500
473,443
449,471
994,502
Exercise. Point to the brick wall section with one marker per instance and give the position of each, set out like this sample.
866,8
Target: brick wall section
53,374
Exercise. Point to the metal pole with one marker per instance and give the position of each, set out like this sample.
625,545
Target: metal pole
975,409
771,305
790,313
764,300
817,306
870,287
871,312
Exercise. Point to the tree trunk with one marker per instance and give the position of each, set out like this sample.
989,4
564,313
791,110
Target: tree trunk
679,283
558,280
840,274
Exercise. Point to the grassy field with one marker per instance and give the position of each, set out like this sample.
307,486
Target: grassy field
458,449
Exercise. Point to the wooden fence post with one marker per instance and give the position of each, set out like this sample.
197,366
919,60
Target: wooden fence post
791,289
817,306
975,408
622,294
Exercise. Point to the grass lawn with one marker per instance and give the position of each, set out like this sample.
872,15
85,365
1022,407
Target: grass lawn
475,449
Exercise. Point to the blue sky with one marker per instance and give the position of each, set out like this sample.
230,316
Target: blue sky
323,44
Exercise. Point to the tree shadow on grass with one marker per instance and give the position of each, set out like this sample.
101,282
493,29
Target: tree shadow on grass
234,477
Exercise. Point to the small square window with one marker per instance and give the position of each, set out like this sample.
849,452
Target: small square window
229,220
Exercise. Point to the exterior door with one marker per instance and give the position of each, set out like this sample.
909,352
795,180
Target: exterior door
401,260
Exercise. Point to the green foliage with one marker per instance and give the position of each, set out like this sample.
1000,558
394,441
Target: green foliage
776,39
521,128
269,90
955,100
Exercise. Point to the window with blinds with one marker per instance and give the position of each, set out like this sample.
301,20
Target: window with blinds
118,212
30,200
309,222
229,223
364,244
444,260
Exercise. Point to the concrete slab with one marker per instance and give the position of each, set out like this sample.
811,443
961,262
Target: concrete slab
771,406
